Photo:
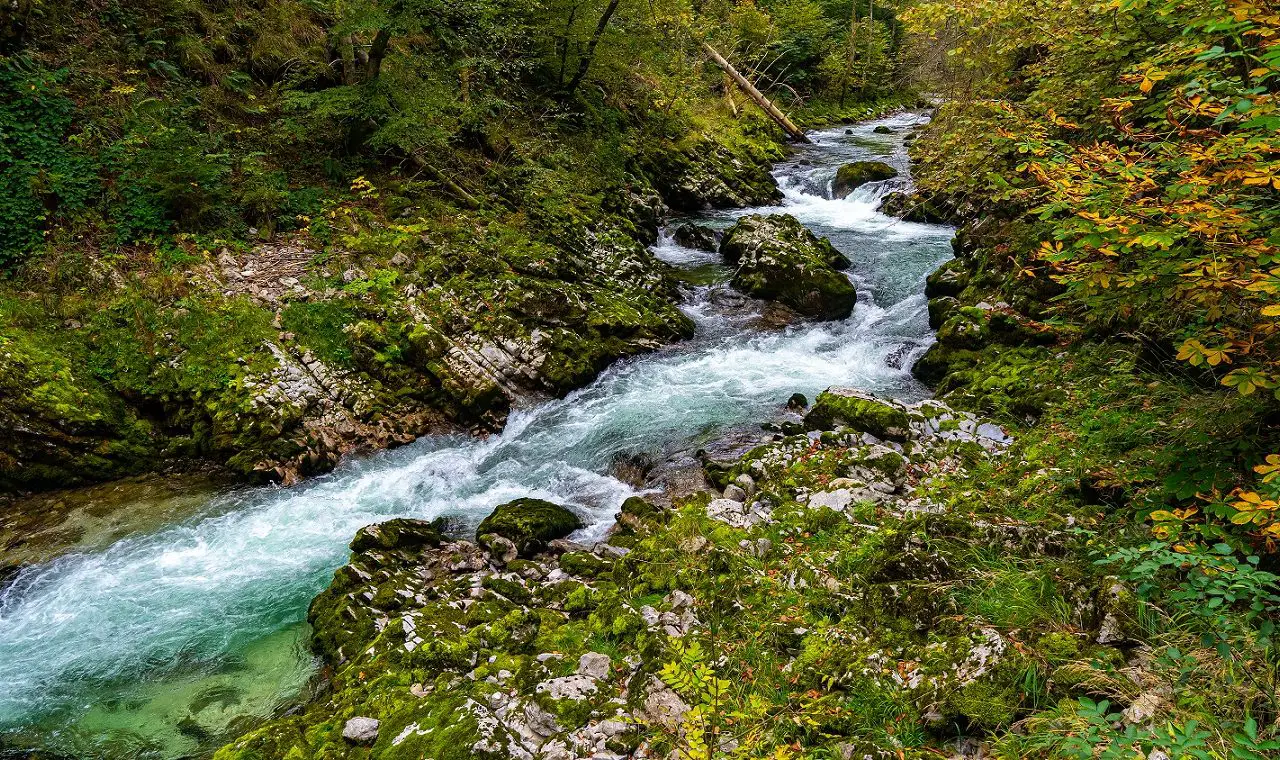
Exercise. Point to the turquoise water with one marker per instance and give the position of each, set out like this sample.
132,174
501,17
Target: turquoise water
168,640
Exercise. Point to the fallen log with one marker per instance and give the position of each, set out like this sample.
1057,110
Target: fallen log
757,96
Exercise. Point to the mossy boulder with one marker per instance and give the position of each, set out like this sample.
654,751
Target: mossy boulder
778,259
852,176
950,279
915,207
400,533
529,524
858,410
940,310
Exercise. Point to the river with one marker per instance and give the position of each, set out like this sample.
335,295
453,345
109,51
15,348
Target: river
171,638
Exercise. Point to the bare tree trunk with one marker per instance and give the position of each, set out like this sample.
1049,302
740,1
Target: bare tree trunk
728,95
759,98
584,64
377,51
563,44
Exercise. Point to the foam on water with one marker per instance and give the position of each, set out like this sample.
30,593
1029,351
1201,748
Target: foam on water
155,623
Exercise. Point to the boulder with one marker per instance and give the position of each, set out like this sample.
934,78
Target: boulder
915,207
852,176
861,411
400,533
530,524
950,279
883,130
361,730
778,259
696,236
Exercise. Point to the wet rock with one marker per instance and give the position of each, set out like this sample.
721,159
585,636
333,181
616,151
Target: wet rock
530,524
883,130
915,207
777,258
852,176
400,533
696,236
948,280
361,730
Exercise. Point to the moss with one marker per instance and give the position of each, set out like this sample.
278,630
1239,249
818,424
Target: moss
584,564
854,175
400,533
860,412
777,258
529,523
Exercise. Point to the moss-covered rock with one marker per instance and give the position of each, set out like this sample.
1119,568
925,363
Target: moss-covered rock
529,524
858,410
950,279
777,258
852,176
400,533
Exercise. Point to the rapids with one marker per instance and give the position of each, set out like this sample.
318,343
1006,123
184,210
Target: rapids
170,639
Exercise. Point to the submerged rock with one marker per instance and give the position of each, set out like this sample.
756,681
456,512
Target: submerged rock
852,176
530,524
779,259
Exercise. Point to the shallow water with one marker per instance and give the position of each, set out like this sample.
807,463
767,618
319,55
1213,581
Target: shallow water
170,638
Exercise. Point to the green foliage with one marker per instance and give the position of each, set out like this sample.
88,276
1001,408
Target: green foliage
1235,602
44,174
1099,740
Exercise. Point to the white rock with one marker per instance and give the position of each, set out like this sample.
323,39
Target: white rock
361,730
575,687
595,665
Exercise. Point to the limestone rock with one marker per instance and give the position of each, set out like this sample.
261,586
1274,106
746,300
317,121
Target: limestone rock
852,176
530,524
696,236
361,730
777,258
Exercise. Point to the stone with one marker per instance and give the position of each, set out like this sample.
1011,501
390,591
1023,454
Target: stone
860,411
662,705
595,665
400,533
530,524
883,130
696,236
735,493
852,176
361,730
950,279
778,259
575,687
